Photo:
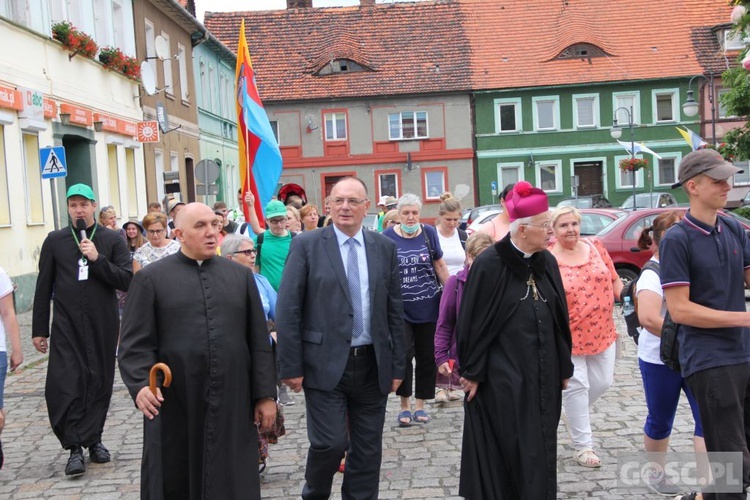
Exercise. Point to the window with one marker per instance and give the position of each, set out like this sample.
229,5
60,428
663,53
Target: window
581,50
434,182
33,180
723,111
340,66
222,111
508,115
509,173
408,125
624,178
103,23
204,86
168,83
586,110
629,101
174,165
184,92
114,179
549,176
666,169
665,105
546,113
733,40
388,183
275,128
159,169
211,89
150,39
335,126
132,185
4,193
742,179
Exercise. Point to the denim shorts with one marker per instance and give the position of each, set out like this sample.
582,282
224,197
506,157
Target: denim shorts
3,373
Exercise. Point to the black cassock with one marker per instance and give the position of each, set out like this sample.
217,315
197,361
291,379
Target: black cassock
206,323
85,326
514,339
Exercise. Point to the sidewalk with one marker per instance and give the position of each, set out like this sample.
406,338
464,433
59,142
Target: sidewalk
421,461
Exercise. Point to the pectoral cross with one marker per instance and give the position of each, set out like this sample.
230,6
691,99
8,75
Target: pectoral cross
531,288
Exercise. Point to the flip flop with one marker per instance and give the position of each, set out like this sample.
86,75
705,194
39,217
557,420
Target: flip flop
421,417
405,414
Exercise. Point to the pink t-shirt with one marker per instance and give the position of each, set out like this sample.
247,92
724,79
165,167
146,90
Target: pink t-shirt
590,296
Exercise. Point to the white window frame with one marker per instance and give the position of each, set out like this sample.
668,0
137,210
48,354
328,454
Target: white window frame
205,90
557,164
150,39
619,185
27,182
595,110
722,110
520,166
515,101
622,118
416,128
555,100
675,93
677,157
212,88
167,64
182,61
5,199
334,120
733,41
159,170
275,129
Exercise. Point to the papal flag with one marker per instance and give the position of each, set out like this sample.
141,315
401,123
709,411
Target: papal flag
694,140
639,147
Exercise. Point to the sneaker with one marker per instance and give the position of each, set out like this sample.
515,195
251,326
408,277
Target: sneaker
665,488
284,398
76,465
441,396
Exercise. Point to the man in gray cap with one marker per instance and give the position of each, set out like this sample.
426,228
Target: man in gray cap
705,265
80,267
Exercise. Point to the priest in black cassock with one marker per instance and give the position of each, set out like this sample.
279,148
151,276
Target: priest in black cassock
201,315
80,273
514,352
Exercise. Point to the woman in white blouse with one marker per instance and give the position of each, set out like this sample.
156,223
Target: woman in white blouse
452,239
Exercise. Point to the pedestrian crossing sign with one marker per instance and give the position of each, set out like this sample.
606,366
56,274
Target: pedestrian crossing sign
53,162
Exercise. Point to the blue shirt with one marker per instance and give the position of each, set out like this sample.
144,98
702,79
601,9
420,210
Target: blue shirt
267,296
364,280
711,260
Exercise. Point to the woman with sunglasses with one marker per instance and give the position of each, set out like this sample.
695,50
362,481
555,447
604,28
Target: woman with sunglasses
158,244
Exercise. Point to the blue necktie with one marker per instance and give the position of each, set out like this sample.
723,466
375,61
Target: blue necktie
352,276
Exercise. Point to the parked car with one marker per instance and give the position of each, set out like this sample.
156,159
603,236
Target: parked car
621,239
593,201
649,200
464,222
746,200
370,222
475,212
593,220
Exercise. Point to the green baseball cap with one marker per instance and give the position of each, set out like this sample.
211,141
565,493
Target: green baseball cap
81,190
275,209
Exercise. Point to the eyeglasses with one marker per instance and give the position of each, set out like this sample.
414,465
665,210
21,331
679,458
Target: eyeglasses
154,232
351,201
277,220
546,225
248,252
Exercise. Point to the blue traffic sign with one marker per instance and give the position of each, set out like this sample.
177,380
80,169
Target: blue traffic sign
493,185
53,162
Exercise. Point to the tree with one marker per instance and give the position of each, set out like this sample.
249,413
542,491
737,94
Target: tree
737,80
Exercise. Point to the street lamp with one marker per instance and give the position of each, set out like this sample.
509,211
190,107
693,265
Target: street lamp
690,107
616,132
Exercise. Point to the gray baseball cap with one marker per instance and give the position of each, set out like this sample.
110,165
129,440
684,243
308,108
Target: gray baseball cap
707,162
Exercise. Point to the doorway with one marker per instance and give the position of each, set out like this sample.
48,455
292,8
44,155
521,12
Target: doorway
590,178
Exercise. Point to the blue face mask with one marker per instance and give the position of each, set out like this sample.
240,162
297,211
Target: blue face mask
410,229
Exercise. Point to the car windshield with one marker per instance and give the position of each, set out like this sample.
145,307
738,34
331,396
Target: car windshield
644,200
578,203
616,223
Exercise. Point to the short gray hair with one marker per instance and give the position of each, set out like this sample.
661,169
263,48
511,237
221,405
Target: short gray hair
409,200
564,210
232,243
518,223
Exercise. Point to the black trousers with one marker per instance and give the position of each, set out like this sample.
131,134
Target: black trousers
349,419
723,396
419,340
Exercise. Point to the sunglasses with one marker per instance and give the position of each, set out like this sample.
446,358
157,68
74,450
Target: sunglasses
247,253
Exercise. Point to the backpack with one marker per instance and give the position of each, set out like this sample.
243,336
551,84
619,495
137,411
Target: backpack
629,290
462,236
259,243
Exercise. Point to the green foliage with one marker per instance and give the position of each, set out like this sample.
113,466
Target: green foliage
737,99
742,212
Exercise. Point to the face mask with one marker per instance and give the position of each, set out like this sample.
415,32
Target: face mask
410,229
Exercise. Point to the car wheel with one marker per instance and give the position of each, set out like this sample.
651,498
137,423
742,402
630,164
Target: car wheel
626,275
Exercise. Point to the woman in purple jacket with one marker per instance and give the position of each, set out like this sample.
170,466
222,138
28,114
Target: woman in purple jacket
448,387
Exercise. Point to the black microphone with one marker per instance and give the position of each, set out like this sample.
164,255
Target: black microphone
81,227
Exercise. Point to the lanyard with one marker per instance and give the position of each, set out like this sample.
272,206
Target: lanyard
78,243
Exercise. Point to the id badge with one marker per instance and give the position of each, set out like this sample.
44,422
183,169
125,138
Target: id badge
83,273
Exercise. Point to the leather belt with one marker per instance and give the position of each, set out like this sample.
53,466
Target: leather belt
360,350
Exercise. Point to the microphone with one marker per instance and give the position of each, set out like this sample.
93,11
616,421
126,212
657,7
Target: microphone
81,227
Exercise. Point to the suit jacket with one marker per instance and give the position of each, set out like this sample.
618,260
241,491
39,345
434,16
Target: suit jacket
315,315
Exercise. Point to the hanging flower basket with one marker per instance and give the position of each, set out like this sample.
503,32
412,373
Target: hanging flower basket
76,41
633,164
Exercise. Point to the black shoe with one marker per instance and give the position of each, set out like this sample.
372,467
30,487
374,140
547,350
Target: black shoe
99,454
2,457
75,466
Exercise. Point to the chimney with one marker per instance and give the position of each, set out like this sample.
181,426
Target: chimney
299,4
367,3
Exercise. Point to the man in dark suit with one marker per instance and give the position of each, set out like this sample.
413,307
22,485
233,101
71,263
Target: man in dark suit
341,337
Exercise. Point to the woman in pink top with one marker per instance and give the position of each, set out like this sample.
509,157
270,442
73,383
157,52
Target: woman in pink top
591,287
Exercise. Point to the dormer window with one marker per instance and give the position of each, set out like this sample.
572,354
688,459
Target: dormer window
580,51
732,40
340,66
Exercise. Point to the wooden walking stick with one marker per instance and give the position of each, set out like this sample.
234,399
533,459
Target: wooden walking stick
152,376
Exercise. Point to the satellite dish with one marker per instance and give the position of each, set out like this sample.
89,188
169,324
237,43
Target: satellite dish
161,117
148,79
161,45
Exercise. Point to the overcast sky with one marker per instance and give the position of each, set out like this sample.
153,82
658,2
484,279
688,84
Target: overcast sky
241,5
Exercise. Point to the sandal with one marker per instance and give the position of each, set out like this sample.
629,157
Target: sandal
405,415
587,458
421,417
